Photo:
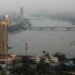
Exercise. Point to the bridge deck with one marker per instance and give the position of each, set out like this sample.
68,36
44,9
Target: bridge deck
52,28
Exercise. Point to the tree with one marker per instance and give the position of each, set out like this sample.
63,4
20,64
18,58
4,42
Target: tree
73,60
60,56
44,52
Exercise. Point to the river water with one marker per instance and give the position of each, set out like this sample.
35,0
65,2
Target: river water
51,41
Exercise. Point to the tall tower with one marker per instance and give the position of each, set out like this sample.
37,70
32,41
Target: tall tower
3,38
21,13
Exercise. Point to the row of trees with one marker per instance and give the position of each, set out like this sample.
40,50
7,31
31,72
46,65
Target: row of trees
60,55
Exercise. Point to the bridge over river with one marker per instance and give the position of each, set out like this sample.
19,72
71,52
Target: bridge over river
52,28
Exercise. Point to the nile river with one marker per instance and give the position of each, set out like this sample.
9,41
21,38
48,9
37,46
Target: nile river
51,41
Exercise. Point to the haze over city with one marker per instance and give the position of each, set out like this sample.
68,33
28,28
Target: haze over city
51,13
37,37
31,6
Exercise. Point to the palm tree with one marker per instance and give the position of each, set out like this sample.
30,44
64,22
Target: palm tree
44,52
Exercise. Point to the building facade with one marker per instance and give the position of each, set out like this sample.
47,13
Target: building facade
3,38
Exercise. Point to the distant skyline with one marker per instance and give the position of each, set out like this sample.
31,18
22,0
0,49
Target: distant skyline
35,5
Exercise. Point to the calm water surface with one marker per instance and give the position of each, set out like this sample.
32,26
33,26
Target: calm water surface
51,41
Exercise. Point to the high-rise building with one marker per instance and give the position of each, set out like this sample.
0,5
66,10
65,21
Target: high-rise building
3,38
21,12
21,16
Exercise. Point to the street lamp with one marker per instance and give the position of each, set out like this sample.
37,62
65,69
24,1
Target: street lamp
26,48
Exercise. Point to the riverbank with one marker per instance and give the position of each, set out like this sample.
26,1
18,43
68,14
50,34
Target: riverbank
21,26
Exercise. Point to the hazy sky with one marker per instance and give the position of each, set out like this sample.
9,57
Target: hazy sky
33,5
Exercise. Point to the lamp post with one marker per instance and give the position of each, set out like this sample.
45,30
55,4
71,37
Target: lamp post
26,48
